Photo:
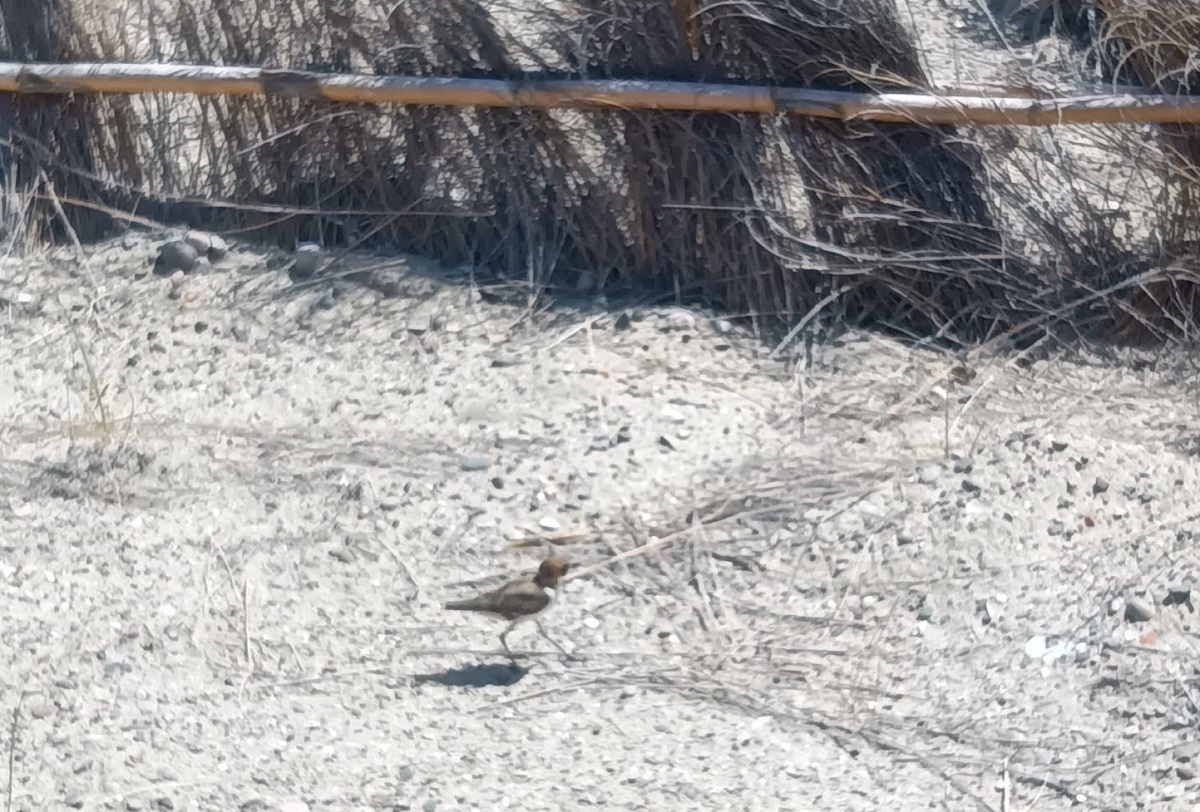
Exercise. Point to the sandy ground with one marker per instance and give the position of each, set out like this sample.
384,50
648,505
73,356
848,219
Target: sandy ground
868,582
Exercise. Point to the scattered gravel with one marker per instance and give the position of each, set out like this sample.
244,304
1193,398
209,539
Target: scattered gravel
228,595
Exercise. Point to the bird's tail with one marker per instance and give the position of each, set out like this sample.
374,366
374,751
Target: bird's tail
469,605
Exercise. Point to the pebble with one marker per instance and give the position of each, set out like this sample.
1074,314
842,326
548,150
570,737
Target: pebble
166,804
430,806
212,246
134,805
591,622
924,612
1179,595
294,805
623,321
469,463
970,486
1138,610
176,255
41,710
1099,486
929,474
1055,528
665,442
963,465
548,523
601,443
672,414
307,258
723,326
678,320
200,240
217,248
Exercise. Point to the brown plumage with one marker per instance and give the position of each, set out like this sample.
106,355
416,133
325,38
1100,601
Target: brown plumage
519,600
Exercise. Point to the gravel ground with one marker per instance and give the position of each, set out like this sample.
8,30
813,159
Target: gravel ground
872,578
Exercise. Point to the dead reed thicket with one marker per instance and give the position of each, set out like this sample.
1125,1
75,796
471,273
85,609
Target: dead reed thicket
962,234
1156,45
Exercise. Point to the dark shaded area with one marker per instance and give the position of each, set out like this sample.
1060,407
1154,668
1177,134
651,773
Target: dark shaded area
478,676
43,139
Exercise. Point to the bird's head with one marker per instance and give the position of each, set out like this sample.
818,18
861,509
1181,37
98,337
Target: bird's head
551,570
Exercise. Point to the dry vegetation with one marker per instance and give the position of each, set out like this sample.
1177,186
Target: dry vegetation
941,232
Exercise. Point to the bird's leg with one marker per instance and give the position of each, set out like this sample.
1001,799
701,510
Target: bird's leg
504,640
555,643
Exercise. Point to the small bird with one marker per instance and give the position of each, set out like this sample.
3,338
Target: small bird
523,599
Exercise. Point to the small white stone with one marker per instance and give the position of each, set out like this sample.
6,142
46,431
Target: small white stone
548,523
673,414
591,622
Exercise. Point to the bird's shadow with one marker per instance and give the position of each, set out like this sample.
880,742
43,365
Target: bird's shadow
478,676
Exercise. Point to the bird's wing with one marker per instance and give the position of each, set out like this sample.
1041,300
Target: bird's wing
517,600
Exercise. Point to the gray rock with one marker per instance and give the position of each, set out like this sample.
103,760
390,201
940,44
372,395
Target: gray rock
470,463
678,320
165,804
1055,528
306,260
217,248
176,255
430,806
210,245
963,465
970,486
41,710
1138,610
600,443
1099,486
929,474
1179,595
200,240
